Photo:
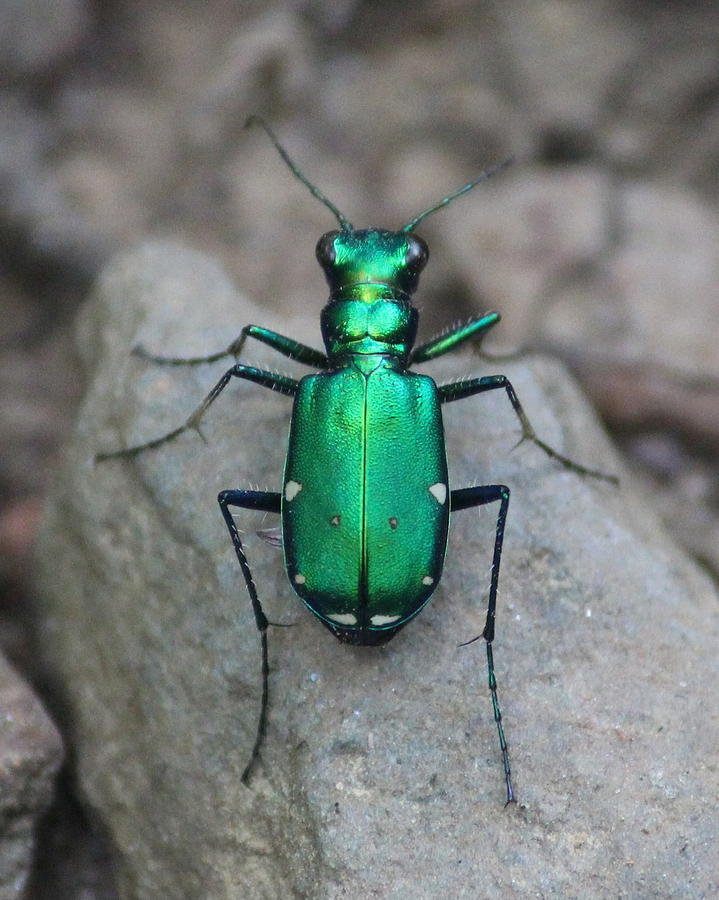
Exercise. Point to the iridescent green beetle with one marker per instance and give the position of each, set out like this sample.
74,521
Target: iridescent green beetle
350,495
365,500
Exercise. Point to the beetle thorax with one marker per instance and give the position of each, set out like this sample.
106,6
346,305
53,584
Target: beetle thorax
380,325
372,274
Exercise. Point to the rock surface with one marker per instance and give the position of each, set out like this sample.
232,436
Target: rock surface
381,774
30,755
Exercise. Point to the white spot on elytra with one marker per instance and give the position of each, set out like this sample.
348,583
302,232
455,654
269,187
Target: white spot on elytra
428,579
439,491
292,489
383,620
343,618
300,579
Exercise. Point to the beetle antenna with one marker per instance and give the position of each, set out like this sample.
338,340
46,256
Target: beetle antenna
492,170
315,191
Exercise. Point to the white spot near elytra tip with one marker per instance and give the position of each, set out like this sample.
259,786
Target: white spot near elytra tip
343,618
300,579
428,579
439,491
383,620
292,489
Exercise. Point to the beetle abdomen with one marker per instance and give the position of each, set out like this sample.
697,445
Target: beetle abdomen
365,498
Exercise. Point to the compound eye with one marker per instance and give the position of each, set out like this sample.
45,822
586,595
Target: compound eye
325,250
417,254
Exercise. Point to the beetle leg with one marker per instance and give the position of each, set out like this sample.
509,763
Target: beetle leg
461,389
287,346
281,383
268,502
464,499
445,343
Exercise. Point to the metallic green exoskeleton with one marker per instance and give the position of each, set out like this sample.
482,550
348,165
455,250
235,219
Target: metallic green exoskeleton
365,499
364,531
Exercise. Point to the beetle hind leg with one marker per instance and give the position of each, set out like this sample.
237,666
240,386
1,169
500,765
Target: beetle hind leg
267,502
465,499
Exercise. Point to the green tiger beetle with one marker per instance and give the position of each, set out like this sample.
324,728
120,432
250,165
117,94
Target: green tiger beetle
365,500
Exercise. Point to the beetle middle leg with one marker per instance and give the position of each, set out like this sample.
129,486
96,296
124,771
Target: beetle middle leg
465,498
265,501
281,383
461,389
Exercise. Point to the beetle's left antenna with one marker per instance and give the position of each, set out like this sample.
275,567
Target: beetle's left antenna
492,170
315,191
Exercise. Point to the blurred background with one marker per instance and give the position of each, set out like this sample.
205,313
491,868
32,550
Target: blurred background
122,119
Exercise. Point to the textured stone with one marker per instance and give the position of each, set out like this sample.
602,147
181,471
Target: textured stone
380,775
30,755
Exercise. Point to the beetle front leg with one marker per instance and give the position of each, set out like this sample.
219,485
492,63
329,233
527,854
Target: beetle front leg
272,380
465,499
446,343
462,389
267,502
284,345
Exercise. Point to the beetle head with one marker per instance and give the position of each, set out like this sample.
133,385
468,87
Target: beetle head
372,257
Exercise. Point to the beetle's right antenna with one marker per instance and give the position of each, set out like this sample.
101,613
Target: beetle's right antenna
492,170
316,192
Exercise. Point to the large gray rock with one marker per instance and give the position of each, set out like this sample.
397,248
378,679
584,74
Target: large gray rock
30,755
381,774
